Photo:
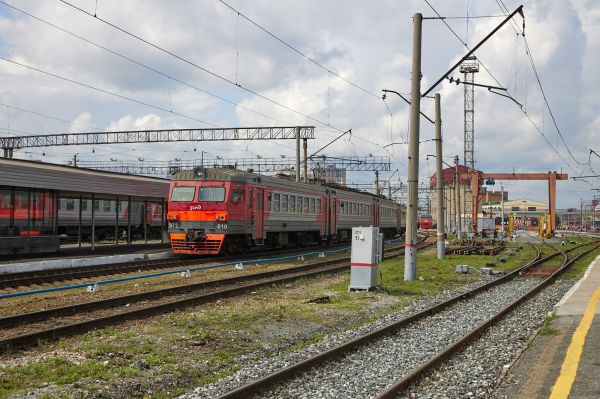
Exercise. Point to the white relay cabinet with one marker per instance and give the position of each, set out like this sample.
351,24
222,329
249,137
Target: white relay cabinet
367,253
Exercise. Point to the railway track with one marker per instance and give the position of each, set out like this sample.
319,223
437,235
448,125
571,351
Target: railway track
340,358
49,276
17,332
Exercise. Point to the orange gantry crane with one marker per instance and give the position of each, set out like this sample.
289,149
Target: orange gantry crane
478,177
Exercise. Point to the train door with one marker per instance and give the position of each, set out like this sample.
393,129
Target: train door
333,213
376,213
324,223
258,214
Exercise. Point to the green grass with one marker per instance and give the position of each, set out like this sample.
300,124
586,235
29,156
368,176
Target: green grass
59,371
547,328
435,276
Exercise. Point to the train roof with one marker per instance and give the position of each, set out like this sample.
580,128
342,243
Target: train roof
236,175
68,179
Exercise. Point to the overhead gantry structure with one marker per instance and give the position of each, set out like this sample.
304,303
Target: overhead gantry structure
477,178
9,144
262,164
304,133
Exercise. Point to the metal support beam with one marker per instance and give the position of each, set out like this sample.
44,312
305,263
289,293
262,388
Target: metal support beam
410,251
155,136
552,199
457,198
129,220
93,221
145,221
265,165
163,221
80,220
116,221
297,154
305,147
441,241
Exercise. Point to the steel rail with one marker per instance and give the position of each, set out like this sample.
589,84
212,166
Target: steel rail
253,387
25,279
269,279
417,373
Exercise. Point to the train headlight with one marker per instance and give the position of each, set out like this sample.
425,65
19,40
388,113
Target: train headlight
216,217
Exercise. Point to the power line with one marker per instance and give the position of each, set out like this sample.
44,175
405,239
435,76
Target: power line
507,91
520,32
294,49
89,86
64,30
187,61
48,116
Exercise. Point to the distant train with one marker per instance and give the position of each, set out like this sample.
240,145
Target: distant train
105,218
40,208
424,222
227,210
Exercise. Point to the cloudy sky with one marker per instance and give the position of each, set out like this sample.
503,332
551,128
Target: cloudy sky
367,43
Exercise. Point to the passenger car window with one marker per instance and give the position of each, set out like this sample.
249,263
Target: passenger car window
180,194
237,196
275,202
211,194
284,203
292,204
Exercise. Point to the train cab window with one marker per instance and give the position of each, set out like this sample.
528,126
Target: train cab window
312,205
305,207
292,204
318,205
70,204
276,203
298,204
183,194
237,196
284,203
211,194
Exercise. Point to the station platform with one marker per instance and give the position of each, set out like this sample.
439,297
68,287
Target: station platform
564,361
73,256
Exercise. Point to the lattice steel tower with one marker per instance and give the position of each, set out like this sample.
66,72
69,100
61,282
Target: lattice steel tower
469,67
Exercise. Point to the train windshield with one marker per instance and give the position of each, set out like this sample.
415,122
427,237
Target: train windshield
211,194
180,194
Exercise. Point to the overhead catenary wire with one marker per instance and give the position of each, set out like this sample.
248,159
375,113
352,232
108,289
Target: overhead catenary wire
197,66
297,51
508,92
48,116
89,86
141,64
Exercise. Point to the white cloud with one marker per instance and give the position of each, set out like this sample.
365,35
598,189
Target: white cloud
367,43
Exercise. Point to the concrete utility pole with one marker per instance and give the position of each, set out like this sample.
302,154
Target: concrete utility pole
502,206
298,154
457,197
305,147
410,249
441,242
377,189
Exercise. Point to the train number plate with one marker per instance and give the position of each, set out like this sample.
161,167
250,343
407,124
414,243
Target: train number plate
174,225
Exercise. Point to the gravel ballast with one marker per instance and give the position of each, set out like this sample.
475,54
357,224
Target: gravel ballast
475,371
371,368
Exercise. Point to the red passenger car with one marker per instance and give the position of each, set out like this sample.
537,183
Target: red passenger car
226,210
